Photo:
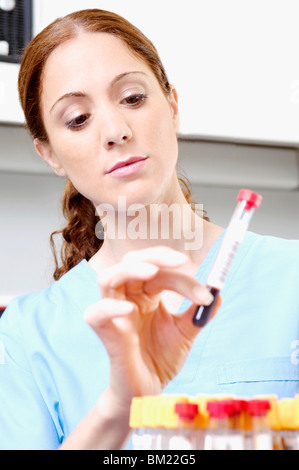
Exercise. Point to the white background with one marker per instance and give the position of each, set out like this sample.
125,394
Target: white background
235,63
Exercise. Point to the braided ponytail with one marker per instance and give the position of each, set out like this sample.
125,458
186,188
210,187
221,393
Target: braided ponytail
79,236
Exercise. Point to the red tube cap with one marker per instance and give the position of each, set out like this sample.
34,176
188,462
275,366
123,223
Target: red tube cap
253,199
258,407
220,409
238,405
186,411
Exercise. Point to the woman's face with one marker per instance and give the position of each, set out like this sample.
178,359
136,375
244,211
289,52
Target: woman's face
103,108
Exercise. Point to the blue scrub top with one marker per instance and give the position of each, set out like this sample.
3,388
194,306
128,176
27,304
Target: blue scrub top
53,367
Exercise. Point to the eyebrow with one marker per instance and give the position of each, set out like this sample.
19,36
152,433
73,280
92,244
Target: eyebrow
80,94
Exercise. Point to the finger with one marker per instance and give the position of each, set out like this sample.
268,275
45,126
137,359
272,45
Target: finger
159,255
119,274
182,283
140,265
99,314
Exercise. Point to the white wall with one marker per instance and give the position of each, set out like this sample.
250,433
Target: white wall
29,212
234,62
278,214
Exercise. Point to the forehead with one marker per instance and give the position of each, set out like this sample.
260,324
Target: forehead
101,54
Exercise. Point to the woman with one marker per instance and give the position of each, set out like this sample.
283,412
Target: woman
102,114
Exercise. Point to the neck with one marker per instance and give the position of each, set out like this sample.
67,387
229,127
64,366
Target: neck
172,224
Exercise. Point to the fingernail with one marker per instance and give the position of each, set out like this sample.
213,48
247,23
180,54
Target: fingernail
147,269
123,306
203,295
176,258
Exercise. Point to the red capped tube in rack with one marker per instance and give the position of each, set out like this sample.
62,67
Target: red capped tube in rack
248,201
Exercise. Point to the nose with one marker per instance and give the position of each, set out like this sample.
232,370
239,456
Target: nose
116,131
119,139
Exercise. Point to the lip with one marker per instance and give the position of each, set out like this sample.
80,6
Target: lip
127,167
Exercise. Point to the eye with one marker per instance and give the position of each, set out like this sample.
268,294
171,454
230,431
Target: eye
78,122
135,100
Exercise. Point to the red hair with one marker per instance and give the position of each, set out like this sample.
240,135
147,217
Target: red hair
80,240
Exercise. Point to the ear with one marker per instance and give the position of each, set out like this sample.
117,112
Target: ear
45,151
173,100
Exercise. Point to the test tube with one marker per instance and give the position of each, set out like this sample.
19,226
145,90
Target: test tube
186,435
259,435
248,201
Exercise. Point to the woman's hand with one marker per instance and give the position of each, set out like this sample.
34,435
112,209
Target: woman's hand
147,344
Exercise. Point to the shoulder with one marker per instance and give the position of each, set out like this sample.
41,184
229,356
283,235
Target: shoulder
39,337
36,324
265,265
71,294
270,241
264,250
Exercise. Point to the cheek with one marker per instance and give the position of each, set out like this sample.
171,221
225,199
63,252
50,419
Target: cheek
73,151
160,128
165,141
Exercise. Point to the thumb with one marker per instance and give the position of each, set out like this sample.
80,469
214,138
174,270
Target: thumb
185,320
